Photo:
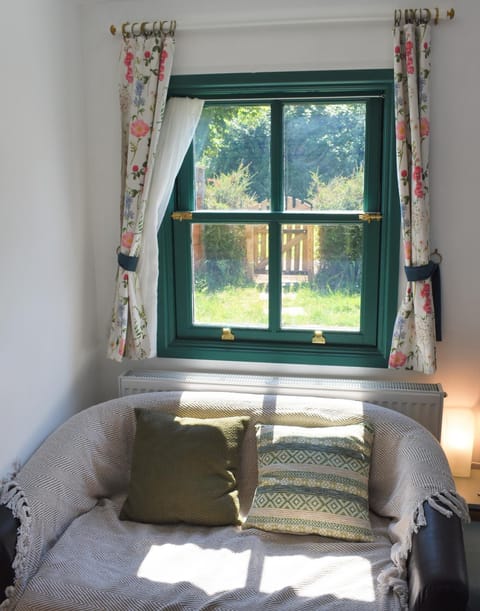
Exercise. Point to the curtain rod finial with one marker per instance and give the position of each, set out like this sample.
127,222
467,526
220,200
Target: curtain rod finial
113,30
451,13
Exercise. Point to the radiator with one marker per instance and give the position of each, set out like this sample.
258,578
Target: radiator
422,402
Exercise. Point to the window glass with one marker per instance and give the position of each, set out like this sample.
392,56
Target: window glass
324,153
230,286
322,276
232,158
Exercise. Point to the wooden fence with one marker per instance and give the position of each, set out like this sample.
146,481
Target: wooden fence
297,252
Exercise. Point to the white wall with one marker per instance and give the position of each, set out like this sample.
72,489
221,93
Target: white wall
47,308
454,156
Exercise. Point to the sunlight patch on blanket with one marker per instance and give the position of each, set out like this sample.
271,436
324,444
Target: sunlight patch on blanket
325,575
219,570
190,563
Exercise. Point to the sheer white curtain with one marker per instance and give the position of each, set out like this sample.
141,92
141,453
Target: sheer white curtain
179,123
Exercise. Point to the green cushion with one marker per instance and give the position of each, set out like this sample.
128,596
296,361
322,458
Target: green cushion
313,481
184,469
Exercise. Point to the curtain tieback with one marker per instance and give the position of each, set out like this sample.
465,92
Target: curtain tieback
127,262
422,272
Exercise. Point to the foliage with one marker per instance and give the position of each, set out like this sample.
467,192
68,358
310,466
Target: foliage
229,137
339,247
230,191
215,275
339,193
323,139
224,245
324,147
319,138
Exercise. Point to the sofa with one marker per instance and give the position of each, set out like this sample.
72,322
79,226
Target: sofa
229,501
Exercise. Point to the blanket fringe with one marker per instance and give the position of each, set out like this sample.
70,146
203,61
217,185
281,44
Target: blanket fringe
446,502
455,504
12,496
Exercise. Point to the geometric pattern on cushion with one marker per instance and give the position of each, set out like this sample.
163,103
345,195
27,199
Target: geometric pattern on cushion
313,480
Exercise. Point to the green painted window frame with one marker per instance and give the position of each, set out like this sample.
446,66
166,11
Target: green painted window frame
179,338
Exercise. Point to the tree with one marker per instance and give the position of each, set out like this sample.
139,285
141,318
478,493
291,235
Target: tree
229,137
325,139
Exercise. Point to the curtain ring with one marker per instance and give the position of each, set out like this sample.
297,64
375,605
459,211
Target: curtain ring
142,27
425,15
437,15
124,29
134,24
397,20
436,257
173,27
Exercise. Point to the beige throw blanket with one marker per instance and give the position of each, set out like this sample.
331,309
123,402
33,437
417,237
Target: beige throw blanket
74,553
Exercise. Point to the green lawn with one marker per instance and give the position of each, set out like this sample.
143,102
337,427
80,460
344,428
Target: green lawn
301,308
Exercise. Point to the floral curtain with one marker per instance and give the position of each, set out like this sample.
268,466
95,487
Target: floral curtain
146,67
413,344
146,63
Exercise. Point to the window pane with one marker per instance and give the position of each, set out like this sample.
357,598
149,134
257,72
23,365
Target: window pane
322,276
232,158
230,274
324,149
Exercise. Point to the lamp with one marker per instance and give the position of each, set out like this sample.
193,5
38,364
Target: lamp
458,432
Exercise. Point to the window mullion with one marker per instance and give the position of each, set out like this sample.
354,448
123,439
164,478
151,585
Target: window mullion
373,156
275,238
275,276
372,203
276,155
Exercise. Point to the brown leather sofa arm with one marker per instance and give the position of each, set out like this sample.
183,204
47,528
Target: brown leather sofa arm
437,569
8,542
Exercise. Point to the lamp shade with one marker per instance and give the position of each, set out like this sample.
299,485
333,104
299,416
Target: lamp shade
458,432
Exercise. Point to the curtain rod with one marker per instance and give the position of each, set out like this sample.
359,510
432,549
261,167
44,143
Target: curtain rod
168,27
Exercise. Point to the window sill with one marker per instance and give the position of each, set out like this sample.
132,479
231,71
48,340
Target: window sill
355,356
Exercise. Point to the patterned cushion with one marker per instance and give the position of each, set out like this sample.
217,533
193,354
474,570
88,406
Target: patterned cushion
313,481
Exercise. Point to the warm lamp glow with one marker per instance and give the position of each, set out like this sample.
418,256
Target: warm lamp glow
458,432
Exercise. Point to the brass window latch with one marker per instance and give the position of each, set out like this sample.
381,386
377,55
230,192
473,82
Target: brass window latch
370,216
318,338
227,335
181,216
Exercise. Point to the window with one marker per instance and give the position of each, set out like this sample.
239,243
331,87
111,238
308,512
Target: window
283,242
